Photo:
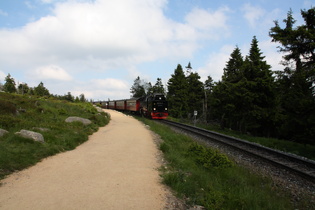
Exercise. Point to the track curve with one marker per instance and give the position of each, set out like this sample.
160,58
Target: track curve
300,166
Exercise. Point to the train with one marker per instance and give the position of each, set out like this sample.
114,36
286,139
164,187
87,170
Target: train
153,106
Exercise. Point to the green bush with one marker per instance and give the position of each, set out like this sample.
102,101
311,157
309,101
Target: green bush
6,121
208,158
7,107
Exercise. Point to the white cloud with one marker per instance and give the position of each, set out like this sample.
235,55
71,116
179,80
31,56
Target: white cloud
216,63
133,31
102,89
103,36
109,83
211,25
51,72
252,14
272,57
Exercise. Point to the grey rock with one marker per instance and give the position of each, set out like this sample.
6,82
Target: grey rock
78,119
99,109
41,129
3,132
31,135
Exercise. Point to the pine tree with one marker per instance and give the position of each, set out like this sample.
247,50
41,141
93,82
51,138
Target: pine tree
298,43
297,81
69,97
229,105
23,88
208,86
41,90
82,98
195,93
177,93
245,98
158,87
232,72
260,92
9,85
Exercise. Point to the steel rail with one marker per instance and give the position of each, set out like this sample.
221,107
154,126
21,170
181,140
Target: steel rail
298,165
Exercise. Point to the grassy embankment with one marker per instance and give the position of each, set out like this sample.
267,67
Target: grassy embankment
205,177
304,150
17,153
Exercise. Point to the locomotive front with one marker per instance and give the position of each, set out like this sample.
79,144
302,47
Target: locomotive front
157,105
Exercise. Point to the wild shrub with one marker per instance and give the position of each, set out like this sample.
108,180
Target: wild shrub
7,107
208,157
62,112
213,199
8,121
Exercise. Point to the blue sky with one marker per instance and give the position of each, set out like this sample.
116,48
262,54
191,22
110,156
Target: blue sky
98,47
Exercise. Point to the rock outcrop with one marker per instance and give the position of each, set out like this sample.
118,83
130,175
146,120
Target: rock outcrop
78,119
3,132
31,135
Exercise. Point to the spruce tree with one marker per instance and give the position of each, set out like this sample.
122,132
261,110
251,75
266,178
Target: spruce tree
41,90
297,81
177,93
195,93
232,71
229,101
259,94
208,86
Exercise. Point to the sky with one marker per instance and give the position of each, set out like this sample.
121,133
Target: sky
99,47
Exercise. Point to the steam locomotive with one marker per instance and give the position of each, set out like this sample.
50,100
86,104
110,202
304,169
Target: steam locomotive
152,106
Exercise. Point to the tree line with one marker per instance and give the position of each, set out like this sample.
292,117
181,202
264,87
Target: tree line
250,97
10,87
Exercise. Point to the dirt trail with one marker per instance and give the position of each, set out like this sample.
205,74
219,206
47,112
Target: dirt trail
115,169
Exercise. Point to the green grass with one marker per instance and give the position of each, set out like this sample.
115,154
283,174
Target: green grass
203,176
304,150
17,153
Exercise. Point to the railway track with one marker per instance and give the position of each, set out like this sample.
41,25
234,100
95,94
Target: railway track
298,165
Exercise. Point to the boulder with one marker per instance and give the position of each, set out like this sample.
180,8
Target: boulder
41,129
31,135
3,132
78,119
99,109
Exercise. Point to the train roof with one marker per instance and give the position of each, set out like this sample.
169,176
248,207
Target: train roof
137,98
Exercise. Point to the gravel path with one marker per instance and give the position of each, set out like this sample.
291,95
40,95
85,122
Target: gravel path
115,169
